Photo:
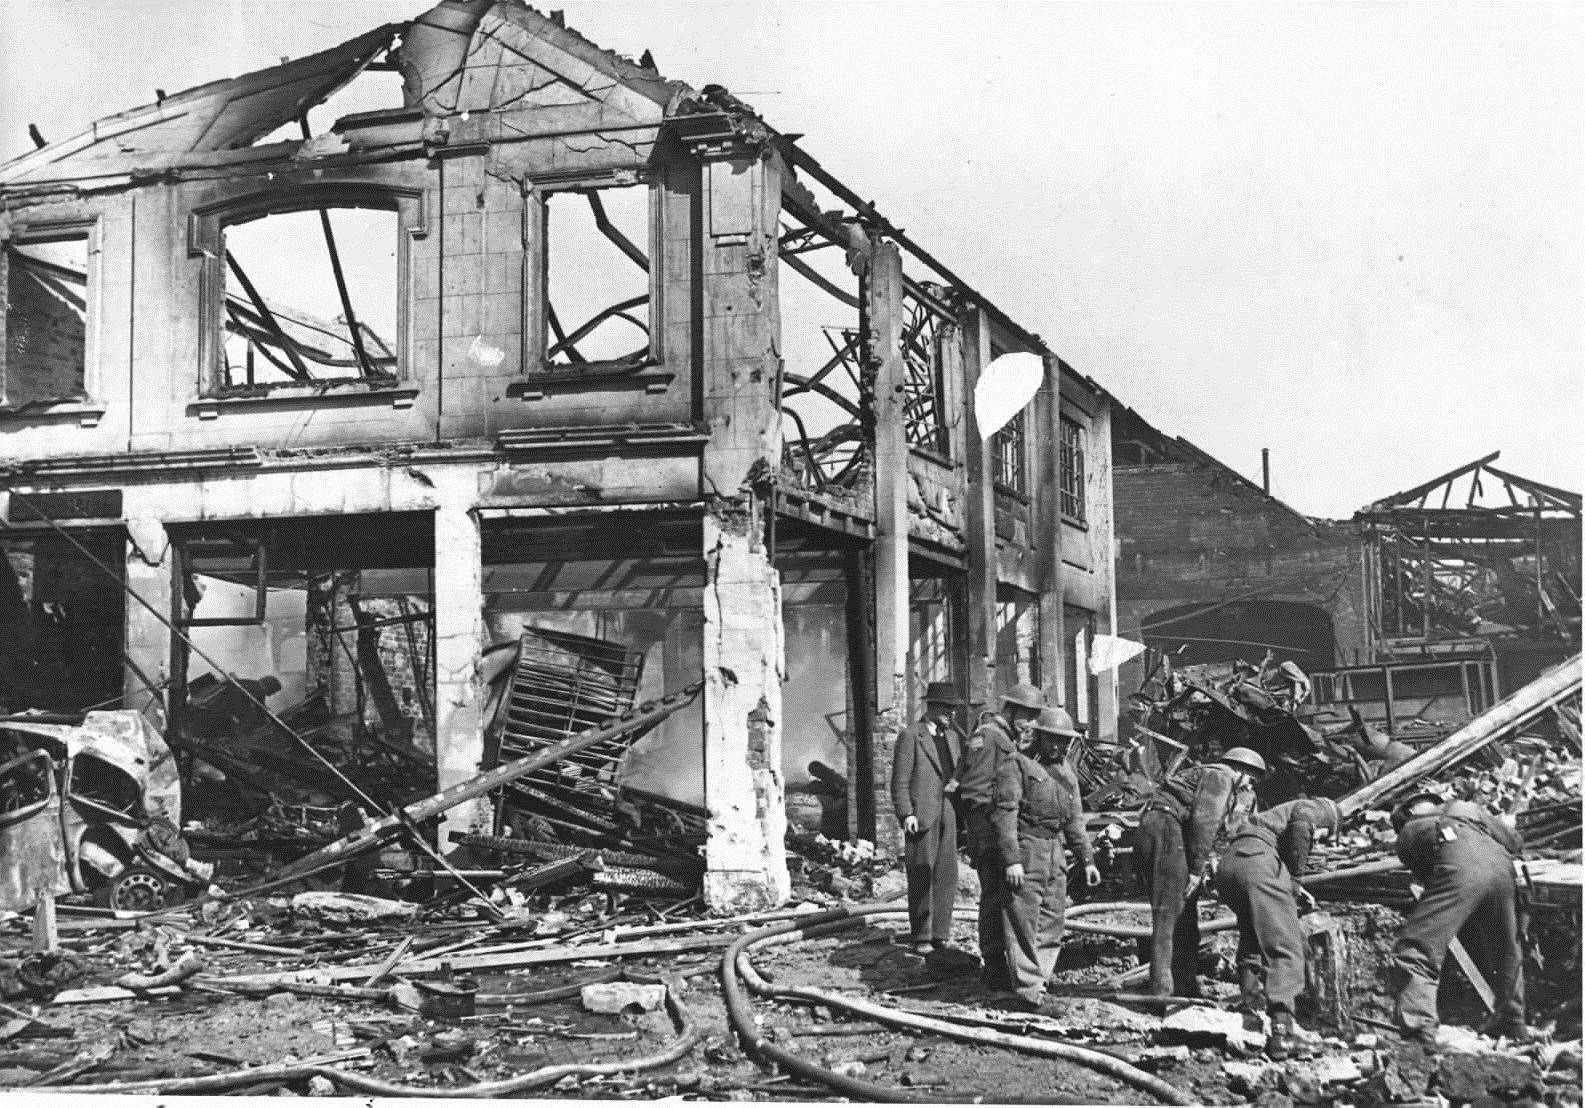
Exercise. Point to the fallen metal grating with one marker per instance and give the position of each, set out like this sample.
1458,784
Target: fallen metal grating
562,684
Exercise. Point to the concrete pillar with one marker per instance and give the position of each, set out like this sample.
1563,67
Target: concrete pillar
883,327
147,641
459,635
746,865
981,523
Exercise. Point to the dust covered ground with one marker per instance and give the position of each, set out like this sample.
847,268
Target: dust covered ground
274,1041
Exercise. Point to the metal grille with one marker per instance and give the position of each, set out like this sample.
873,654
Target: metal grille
1007,455
1071,469
564,684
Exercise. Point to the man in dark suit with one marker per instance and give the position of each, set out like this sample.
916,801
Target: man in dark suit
923,780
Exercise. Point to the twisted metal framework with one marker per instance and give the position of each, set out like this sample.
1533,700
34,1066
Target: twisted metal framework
837,457
924,405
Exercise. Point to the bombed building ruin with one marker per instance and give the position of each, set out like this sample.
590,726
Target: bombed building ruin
381,417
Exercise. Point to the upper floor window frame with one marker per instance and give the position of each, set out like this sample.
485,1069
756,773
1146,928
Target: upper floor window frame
538,339
90,230
1010,456
206,240
1072,442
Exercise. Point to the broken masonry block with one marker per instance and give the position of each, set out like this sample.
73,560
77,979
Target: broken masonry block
616,997
1201,1026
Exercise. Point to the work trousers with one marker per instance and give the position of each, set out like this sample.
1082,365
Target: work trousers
989,866
1032,917
1162,866
1254,883
930,861
1471,895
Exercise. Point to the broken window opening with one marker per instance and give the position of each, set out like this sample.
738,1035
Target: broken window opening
1007,456
924,400
597,279
1070,470
44,356
311,296
826,402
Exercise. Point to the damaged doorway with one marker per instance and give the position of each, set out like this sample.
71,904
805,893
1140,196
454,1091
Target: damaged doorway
61,621
328,622
587,615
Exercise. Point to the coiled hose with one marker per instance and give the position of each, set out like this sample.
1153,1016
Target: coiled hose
736,964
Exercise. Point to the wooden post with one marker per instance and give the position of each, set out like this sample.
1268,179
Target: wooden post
1326,972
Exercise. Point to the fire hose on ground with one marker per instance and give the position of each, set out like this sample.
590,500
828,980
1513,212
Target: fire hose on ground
737,969
688,1036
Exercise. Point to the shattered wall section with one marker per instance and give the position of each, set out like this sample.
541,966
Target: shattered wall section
742,735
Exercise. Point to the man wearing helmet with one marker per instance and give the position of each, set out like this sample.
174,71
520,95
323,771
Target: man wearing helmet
1464,859
1259,880
1181,821
1037,806
992,743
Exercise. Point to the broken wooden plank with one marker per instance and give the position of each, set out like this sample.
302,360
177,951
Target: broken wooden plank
374,834
506,960
389,964
96,994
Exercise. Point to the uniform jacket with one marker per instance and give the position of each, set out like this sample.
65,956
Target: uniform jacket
1290,829
1202,797
919,779
1420,840
1038,801
989,746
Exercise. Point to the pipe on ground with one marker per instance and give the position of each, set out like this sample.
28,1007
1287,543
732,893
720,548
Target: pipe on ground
688,1035
736,962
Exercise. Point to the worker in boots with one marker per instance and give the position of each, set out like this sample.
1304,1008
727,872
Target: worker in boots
1258,878
923,782
1037,807
1173,855
992,742
1463,857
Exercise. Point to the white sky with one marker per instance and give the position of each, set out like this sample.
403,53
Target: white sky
1351,232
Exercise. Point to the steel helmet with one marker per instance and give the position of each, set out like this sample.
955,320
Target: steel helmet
1024,695
1241,757
1405,811
1055,721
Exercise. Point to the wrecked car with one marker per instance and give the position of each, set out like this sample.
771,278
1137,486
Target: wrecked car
90,805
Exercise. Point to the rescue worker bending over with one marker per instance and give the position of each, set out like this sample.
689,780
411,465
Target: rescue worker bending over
990,745
1259,880
1464,859
1037,806
1178,828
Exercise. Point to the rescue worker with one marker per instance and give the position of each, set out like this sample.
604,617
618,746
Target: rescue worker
990,744
1464,859
1378,754
1258,878
1037,807
922,785
1173,854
